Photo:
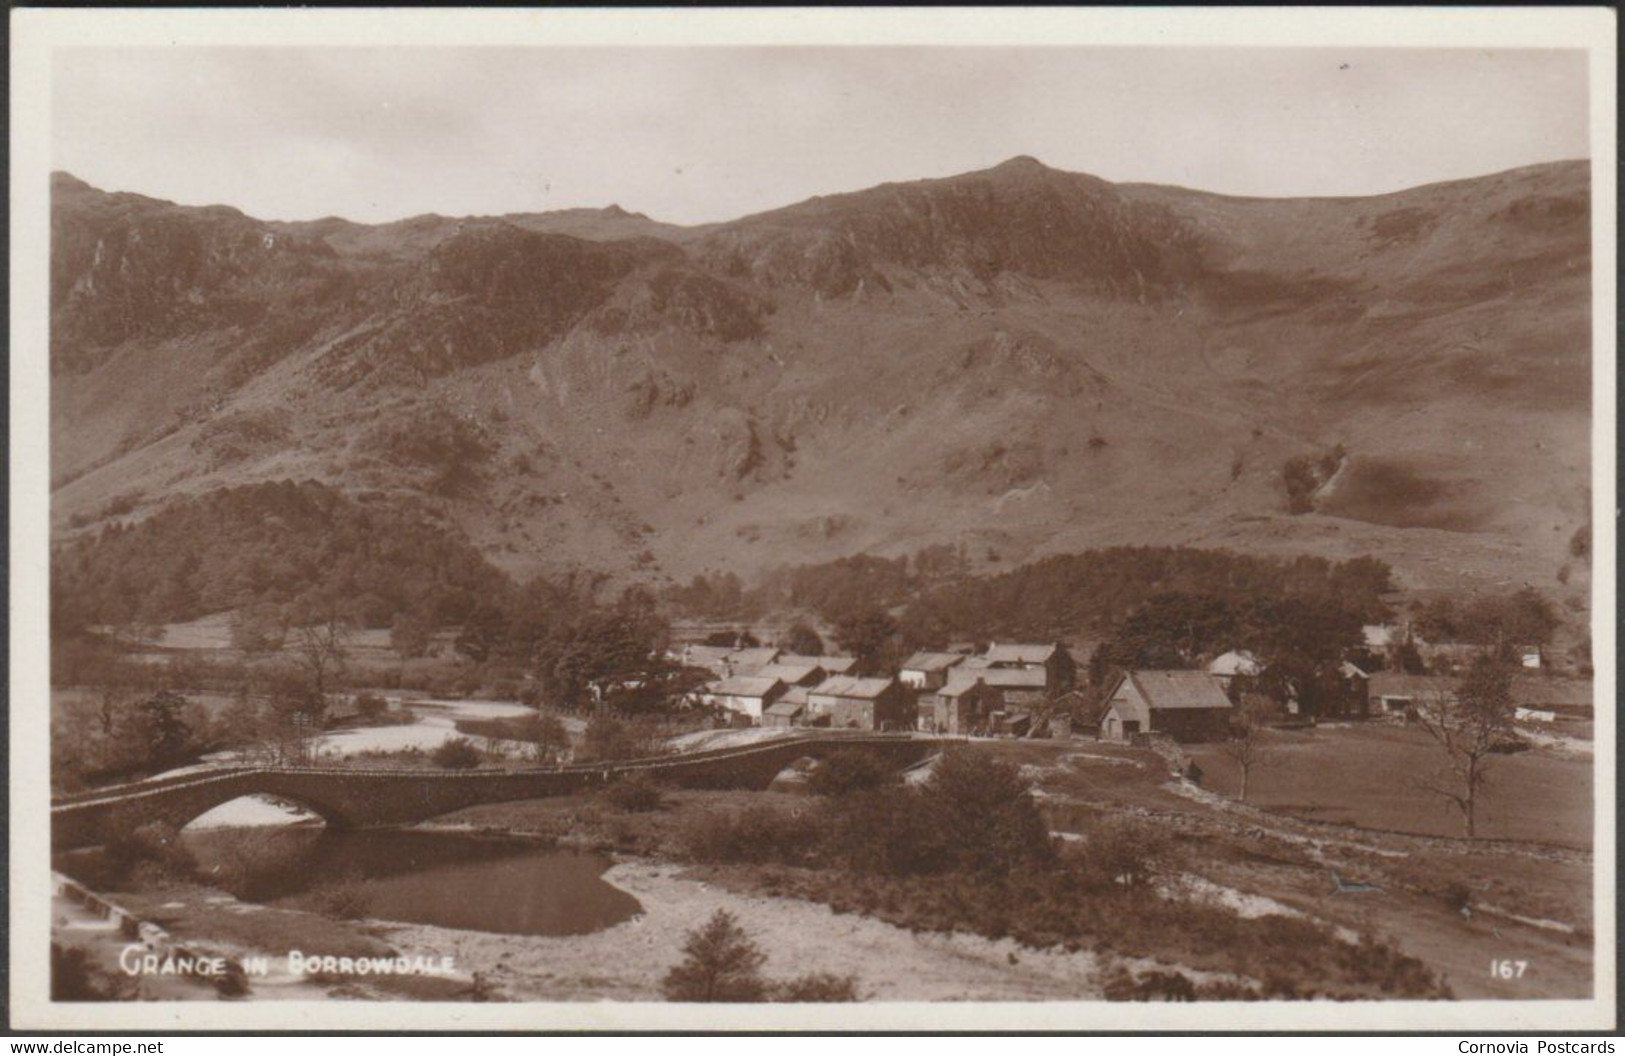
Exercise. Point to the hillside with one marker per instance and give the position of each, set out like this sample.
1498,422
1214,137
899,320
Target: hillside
1022,360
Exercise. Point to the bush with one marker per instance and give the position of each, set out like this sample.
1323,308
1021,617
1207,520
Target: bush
1151,986
370,705
985,812
635,794
755,834
153,851
346,898
1123,853
721,964
457,753
818,988
851,770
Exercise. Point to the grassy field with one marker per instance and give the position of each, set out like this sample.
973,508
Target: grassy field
1368,776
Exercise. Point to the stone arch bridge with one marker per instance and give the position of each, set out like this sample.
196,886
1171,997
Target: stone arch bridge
346,798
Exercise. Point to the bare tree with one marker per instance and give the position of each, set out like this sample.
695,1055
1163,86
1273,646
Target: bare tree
321,646
1470,726
1247,746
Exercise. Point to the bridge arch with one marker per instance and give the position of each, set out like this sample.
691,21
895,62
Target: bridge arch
256,809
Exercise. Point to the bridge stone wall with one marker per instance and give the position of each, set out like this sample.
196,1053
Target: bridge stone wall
367,798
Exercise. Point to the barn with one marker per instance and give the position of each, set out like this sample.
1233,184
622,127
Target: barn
1186,705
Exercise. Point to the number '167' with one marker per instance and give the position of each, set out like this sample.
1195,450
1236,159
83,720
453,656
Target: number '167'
1502,969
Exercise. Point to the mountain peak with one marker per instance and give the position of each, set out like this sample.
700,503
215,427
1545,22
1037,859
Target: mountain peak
1022,163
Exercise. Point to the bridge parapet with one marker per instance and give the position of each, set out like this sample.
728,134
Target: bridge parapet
359,798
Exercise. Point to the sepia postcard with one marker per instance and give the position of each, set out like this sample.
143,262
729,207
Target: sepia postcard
914,519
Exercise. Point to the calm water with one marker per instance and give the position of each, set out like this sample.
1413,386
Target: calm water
444,879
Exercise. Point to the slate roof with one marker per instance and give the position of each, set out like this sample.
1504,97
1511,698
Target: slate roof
1015,677
1020,653
743,686
932,661
959,683
1179,690
787,708
753,658
787,673
847,686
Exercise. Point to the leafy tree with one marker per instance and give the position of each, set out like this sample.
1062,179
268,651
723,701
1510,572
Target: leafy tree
1171,630
868,634
548,737
257,630
803,640
410,633
720,964
1470,727
163,726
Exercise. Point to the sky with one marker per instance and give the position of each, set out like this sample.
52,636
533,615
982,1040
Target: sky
694,135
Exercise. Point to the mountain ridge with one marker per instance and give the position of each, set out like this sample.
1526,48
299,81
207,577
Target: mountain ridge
1018,359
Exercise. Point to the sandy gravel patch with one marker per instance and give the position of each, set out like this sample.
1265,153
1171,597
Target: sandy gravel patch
626,962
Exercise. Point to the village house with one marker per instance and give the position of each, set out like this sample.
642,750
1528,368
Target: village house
1186,705
928,671
745,696
961,706
1017,687
1053,659
861,703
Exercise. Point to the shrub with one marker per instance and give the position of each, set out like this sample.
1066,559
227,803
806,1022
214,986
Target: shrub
1151,986
153,851
721,963
370,705
71,976
346,898
635,794
985,812
851,770
456,753
818,988
755,834
1123,853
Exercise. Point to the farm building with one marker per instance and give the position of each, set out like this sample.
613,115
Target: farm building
744,695
1186,705
928,671
961,706
861,703
1053,659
